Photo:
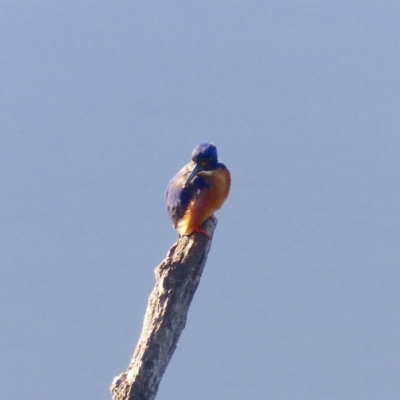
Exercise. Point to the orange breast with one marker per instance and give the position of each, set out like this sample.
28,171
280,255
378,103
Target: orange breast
209,200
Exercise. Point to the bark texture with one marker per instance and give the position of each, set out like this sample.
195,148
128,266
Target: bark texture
177,278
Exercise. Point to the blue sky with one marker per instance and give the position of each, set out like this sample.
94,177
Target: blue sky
101,104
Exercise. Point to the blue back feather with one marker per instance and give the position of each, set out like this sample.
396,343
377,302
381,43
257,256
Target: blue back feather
178,196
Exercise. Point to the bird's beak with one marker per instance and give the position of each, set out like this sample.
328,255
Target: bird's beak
198,168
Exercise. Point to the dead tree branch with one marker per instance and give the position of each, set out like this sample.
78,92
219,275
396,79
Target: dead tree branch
177,278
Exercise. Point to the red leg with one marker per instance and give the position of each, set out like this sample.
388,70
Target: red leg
197,229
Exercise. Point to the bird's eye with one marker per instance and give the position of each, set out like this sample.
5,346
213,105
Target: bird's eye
204,163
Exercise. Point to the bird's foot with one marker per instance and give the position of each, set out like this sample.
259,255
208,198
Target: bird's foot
197,229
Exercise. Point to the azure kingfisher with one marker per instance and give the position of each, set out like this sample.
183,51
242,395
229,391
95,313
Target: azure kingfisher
197,190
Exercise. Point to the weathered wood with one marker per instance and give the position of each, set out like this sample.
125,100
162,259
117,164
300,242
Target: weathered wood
177,278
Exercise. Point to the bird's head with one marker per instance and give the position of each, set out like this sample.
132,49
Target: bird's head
205,154
205,158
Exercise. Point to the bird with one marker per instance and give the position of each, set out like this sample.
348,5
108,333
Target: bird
197,190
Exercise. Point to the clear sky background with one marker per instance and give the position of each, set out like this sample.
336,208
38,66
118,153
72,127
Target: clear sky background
102,102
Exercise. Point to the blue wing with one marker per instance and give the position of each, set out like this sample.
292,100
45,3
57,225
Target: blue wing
178,196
